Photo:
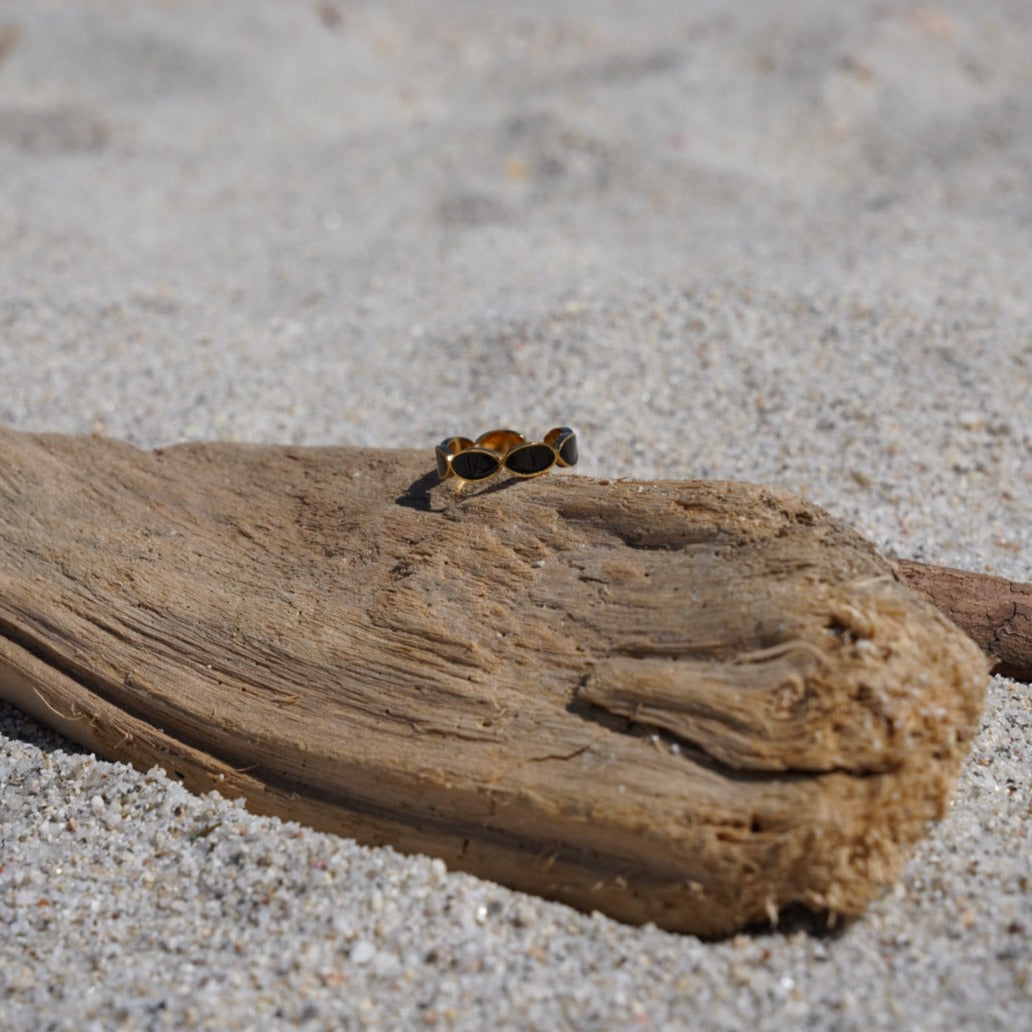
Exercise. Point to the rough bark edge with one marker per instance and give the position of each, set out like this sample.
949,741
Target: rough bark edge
994,612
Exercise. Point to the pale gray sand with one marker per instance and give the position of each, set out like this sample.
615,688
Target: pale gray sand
784,242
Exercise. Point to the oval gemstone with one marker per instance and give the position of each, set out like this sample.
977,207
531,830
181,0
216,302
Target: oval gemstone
530,459
448,447
475,464
568,449
564,441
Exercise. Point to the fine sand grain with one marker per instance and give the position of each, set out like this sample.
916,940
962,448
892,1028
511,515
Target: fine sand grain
781,243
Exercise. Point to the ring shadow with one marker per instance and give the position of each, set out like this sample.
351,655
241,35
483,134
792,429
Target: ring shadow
417,494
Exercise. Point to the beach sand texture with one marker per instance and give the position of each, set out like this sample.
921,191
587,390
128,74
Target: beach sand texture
780,243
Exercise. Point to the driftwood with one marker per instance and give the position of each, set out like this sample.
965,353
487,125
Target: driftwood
690,703
995,612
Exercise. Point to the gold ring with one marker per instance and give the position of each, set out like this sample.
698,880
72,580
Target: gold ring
469,460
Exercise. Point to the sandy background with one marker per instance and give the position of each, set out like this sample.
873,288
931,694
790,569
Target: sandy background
783,242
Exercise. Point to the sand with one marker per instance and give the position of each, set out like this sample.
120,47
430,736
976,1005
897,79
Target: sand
786,243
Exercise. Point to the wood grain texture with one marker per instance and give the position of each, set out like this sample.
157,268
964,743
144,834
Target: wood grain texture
692,703
995,612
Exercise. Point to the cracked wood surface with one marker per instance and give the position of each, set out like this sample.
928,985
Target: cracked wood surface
693,703
994,611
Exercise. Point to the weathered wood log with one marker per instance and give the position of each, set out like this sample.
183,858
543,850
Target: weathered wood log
690,703
995,612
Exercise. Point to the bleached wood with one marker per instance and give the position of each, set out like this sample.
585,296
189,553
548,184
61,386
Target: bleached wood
691,703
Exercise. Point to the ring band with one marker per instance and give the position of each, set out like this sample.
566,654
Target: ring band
469,460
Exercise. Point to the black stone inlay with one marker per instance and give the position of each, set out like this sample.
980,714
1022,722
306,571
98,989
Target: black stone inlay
530,459
568,450
474,464
442,462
